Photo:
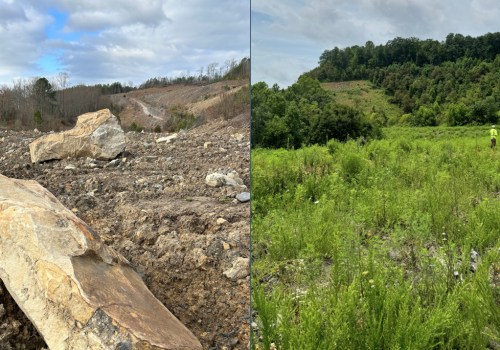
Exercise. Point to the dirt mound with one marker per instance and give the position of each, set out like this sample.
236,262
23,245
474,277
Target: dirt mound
152,205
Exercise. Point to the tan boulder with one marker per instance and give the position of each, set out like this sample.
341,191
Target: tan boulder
78,292
96,135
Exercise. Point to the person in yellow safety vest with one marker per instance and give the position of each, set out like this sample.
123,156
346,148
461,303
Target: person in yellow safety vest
493,134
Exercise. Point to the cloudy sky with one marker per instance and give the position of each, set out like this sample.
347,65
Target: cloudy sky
289,36
103,41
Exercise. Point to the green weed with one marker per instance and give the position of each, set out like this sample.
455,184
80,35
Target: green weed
369,247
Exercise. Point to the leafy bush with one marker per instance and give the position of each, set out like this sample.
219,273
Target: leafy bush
352,166
333,145
136,128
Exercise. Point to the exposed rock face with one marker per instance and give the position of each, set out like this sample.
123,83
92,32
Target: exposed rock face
79,293
97,135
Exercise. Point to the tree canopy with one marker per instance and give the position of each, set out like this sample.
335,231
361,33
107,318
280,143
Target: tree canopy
453,82
304,113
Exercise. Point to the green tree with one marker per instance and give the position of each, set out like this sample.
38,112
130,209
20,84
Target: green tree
37,118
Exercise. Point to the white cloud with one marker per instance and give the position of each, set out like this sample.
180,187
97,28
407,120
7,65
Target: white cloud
316,25
126,40
21,32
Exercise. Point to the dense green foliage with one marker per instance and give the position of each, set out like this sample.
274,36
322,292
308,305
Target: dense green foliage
358,62
454,82
369,246
303,114
369,99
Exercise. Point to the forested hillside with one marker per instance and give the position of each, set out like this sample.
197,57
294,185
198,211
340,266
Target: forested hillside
454,82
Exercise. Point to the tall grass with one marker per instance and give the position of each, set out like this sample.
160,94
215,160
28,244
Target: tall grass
369,247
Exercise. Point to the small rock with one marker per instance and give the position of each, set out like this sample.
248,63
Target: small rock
221,221
474,259
240,269
226,246
70,167
237,137
207,144
243,197
113,163
167,139
219,180
158,187
178,178
234,341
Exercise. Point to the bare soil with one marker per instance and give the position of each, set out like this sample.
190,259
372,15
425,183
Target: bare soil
153,206
153,107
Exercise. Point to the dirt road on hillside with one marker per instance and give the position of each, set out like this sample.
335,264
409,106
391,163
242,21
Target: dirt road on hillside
148,110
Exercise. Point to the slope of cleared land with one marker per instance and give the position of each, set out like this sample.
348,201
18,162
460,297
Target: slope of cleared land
363,95
161,106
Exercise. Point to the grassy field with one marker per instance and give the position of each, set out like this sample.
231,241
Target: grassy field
390,245
363,95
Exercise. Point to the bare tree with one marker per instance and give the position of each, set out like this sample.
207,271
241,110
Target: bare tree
212,70
62,82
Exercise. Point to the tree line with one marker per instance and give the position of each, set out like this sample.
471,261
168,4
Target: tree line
230,70
303,114
54,105
358,62
454,82
38,103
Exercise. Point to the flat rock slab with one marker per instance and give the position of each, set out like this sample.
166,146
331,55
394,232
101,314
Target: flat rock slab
96,135
78,292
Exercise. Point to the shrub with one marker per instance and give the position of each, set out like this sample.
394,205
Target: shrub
136,128
333,146
37,118
352,165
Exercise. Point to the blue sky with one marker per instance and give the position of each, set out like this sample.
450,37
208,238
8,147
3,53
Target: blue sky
289,36
98,41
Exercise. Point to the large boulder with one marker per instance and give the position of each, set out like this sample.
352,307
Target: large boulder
96,135
78,292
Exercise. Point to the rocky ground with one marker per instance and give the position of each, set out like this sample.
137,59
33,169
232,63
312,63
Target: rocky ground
188,240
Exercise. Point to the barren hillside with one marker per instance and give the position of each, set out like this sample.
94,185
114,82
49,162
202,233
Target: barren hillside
164,106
